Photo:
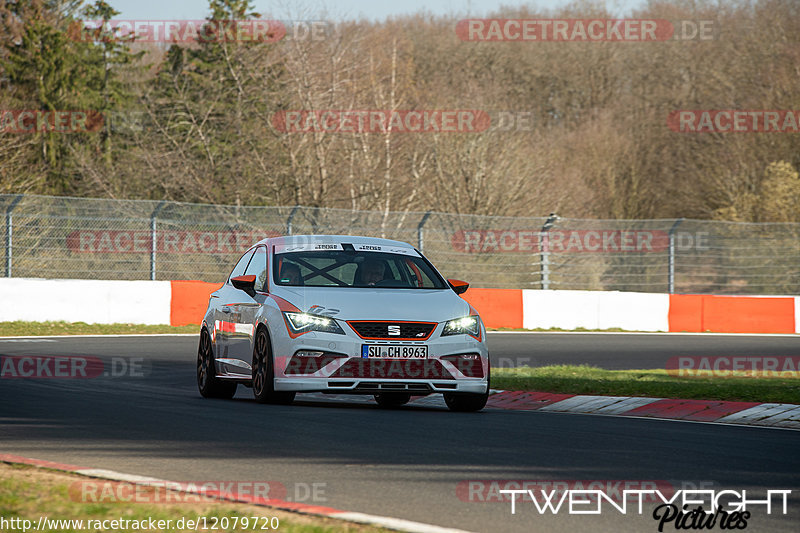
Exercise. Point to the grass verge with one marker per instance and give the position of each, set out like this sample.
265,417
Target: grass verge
30,493
655,383
20,328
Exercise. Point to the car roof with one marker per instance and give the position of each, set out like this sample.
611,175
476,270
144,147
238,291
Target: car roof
331,239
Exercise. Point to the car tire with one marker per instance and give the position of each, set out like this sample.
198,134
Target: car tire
390,400
264,373
466,402
208,383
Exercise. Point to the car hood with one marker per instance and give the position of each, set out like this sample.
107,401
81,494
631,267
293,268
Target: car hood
426,305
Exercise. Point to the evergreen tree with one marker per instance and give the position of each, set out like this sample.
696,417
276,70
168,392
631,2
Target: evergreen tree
110,55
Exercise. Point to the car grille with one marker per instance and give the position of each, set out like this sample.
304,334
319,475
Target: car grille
393,369
404,330
392,386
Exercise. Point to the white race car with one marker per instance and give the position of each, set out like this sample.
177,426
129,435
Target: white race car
341,314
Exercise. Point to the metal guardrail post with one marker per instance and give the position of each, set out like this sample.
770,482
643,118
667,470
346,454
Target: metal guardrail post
9,232
544,246
421,232
671,258
153,243
289,220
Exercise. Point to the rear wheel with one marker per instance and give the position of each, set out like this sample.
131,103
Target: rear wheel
208,383
388,400
264,374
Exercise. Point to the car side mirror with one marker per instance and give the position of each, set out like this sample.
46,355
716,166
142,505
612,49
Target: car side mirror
458,286
245,283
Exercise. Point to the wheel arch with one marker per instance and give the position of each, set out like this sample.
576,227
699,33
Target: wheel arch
204,328
262,325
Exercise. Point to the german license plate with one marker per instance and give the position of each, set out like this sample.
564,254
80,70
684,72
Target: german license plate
394,351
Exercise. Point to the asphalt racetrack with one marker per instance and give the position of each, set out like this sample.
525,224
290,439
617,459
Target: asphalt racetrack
418,463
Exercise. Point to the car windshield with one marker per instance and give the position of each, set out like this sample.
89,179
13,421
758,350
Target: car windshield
351,268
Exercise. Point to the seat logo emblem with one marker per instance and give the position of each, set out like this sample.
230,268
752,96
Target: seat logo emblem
394,331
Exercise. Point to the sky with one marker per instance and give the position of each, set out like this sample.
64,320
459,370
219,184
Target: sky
339,9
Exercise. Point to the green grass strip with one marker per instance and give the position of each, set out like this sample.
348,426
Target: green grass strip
655,383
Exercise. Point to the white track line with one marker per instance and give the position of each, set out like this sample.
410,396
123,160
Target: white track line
637,417
394,523
398,524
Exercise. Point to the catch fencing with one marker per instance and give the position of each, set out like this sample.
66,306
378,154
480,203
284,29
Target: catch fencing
87,238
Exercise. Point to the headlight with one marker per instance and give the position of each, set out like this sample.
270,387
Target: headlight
304,322
469,325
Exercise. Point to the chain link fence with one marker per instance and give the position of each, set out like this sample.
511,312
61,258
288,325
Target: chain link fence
55,237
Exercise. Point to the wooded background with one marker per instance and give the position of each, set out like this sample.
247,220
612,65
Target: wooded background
192,122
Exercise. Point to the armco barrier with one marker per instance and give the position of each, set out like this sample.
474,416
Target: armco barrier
181,303
90,301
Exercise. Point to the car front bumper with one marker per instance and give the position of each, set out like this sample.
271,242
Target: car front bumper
351,373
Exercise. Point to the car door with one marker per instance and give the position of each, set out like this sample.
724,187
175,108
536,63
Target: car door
224,313
246,307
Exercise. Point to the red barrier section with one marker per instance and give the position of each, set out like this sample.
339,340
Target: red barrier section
189,301
731,314
499,308
685,312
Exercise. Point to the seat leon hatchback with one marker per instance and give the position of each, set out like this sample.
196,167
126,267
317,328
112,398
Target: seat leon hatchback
346,315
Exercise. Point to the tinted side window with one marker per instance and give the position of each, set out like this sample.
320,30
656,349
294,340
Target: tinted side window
238,270
258,267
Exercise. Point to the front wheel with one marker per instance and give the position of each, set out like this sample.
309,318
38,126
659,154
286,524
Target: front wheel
469,401
264,374
208,383
465,401
389,400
